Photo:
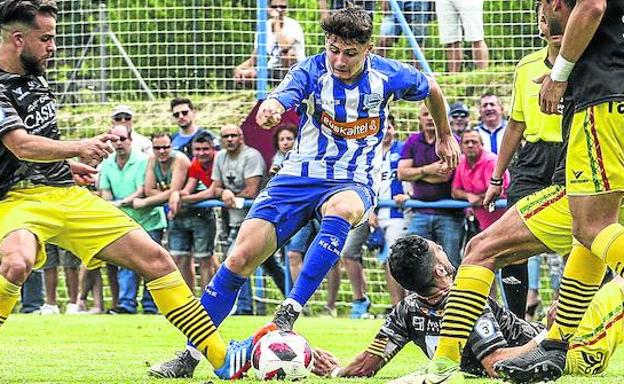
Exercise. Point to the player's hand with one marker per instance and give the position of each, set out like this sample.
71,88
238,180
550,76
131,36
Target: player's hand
552,313
551,94
492,194
97,148
447,149
269,113
324,363
83,174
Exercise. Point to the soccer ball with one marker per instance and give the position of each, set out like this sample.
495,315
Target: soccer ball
282,355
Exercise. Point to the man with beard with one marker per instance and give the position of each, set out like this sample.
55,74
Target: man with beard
39,201
422,267
590,61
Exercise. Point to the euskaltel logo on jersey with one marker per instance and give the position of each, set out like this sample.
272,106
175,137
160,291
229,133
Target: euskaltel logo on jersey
357,129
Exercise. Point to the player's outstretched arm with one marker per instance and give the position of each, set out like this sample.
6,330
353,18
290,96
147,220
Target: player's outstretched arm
40,149
447,147
269,113
365,364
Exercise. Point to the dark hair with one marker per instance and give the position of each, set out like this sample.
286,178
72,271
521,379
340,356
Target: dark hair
181,100
25,11
290,128
411,263
391,119
489,94
471,130
203,137
351,23
156,135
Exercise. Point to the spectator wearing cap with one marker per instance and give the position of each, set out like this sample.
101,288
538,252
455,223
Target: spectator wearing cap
459,117
124,115
492,125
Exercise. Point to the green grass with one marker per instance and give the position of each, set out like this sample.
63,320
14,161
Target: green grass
117,349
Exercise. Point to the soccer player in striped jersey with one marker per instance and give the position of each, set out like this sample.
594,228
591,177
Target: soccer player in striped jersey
343,97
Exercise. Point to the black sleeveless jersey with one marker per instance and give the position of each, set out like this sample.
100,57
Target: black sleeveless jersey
26,102
598,76
413,320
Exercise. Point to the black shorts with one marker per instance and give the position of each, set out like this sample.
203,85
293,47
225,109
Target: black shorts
533,169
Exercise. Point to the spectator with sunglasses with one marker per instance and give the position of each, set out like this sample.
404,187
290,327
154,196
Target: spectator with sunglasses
167,171
123,115
122,179
285,44
183,114
459,117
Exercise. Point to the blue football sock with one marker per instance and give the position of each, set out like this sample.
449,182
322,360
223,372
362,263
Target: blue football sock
220,294
323,253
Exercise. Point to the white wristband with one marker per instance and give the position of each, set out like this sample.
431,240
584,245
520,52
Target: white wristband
335,372
540,337
561,69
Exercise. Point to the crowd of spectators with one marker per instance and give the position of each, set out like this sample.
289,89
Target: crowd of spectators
157,181
159,184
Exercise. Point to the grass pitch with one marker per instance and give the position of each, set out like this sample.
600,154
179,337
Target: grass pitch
118,349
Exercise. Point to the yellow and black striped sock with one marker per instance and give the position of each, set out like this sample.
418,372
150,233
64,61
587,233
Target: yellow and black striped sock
176,301
581,280
465,304
9,295
609,246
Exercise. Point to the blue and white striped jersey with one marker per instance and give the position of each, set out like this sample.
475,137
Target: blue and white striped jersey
342,125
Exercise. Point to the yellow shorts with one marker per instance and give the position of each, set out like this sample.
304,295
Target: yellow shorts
601,330
547,215
70,217
595,157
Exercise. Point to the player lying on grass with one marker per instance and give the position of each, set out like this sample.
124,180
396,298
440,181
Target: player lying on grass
421,266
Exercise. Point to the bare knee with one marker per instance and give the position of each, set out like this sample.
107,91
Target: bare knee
156,263
240,261
345,210
478,252
584,233
15,264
